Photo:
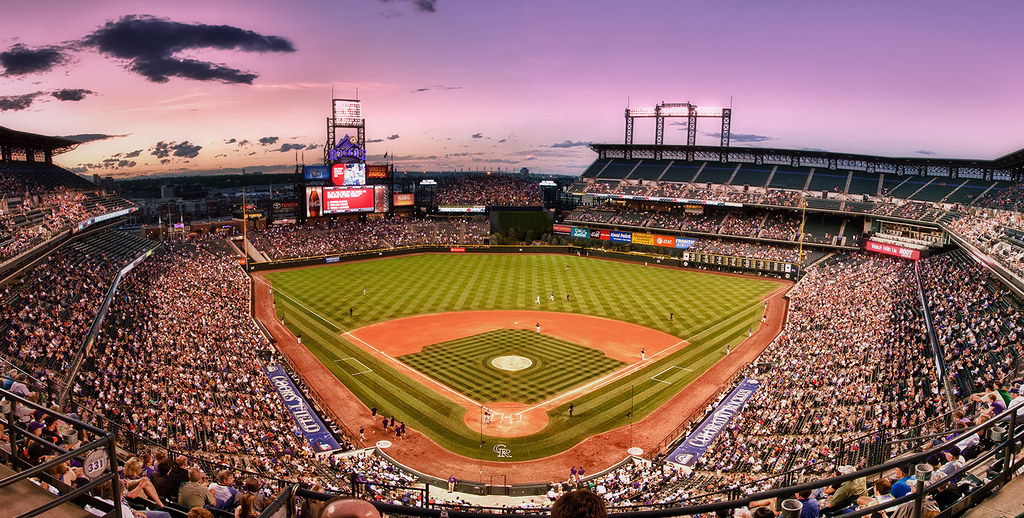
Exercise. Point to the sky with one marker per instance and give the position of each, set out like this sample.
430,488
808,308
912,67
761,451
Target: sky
199,87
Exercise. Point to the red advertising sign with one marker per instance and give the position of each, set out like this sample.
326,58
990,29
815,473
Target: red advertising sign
347,199
562,229
457,249
665,241
898,251
605,235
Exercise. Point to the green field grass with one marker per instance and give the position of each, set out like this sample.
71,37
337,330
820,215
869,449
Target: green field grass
711,312
557,365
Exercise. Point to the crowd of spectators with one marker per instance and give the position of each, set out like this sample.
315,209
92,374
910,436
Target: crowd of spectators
749,249
338,237
978,329
698,191
489,190
852,359
751,223
41,217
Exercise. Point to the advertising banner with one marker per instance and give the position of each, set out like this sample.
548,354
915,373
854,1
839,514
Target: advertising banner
665,241
316,172
347,199
684,243
700,439
377,171
621,237
595,234
898,251
560,228
461,208
642,239
312,428
314,202
381,200
457,249
404,200
581,232
605,235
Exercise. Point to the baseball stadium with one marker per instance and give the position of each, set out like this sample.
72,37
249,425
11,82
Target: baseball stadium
681,329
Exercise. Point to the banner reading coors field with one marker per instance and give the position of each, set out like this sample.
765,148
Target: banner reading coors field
700,439
309,424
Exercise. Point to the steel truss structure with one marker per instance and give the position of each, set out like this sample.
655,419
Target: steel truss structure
677,110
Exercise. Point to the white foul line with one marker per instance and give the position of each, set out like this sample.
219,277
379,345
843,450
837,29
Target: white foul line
410,369
596,384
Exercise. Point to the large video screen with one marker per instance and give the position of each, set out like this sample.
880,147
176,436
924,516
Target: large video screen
348,174
339,200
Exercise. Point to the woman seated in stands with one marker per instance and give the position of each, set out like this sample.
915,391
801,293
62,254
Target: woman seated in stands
137,484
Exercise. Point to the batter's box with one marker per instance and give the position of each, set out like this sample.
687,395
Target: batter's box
349,361
655,377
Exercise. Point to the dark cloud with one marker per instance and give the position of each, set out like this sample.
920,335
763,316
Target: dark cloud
243,143
375,141
165,161
477,135
90,137
71,94
186,150
291,147
741,137
16,103
924,152
500,141
436,87
426,6
570,143
134,154
393,137
181,150
21,60
230,141
312,146
149,45
269,141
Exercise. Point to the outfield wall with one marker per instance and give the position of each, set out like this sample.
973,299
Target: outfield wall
701,261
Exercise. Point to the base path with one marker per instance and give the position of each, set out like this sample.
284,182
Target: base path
595,453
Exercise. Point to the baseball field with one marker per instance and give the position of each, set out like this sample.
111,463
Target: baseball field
495,348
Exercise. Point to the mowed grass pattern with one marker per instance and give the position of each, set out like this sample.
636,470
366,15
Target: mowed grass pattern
465,365
711,312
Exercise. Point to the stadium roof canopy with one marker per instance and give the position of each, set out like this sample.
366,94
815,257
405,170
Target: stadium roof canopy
1009,167
19,139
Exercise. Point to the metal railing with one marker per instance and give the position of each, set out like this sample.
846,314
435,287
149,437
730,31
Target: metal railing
996,466
100,469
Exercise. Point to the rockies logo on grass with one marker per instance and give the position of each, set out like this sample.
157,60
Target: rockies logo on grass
502,451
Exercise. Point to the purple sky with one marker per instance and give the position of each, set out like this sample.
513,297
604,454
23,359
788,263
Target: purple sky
481,84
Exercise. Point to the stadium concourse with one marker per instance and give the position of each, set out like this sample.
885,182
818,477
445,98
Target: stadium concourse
175,364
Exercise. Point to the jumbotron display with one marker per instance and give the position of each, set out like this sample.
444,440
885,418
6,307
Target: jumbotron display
340,200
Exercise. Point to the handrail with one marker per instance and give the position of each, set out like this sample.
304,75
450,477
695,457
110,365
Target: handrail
19,435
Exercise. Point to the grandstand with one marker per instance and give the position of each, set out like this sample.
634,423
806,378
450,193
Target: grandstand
882,361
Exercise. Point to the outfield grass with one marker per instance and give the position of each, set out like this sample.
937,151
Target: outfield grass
711,312
557,365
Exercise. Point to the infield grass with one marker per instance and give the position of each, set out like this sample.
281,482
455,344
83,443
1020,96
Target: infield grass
556,365
710,311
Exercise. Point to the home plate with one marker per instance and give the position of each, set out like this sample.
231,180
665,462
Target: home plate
635,451
387,444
